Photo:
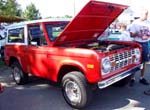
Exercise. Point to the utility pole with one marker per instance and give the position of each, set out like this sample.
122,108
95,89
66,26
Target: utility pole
74,7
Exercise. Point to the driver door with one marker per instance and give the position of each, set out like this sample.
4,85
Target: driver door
37,51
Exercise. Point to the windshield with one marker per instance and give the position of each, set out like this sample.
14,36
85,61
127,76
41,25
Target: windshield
54,30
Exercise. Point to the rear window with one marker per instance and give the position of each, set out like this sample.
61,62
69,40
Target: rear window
16,35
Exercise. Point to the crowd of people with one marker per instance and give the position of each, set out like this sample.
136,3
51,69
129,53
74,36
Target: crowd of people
139,31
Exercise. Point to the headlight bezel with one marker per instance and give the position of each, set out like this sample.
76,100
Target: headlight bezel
106,66
137,54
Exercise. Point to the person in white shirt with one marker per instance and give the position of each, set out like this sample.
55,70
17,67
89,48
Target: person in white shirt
140,31
125,35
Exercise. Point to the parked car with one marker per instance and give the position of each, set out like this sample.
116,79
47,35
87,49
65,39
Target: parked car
2,42
67,52
114,36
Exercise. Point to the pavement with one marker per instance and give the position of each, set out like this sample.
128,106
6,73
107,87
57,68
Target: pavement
39,94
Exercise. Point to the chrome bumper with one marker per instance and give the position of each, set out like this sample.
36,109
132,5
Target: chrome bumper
118,77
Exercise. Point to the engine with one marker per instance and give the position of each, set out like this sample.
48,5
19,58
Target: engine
103,46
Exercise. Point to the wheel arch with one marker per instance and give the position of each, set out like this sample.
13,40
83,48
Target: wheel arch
13,59
66,69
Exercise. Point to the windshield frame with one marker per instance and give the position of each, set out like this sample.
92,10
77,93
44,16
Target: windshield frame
54,30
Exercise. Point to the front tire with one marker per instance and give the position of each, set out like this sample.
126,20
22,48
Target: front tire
18,75
76,90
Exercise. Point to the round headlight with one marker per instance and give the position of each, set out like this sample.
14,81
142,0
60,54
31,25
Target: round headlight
106,66
137,53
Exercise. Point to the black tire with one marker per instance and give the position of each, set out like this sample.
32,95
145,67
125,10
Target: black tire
2,53
18,75
122,82
80,89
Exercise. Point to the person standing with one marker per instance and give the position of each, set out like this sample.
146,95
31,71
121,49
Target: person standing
140,32
125,35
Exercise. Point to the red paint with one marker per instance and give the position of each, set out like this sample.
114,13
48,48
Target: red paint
66,51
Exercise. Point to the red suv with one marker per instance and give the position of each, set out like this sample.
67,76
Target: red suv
68,52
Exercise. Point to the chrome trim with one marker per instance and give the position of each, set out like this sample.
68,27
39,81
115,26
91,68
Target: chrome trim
118,77
122,59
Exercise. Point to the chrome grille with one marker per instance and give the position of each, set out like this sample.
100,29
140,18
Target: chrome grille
122,59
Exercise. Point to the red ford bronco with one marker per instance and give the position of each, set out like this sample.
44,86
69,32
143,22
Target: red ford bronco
69,52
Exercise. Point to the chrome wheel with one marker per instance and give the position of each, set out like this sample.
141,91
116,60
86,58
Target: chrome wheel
76,90
73,91
17,74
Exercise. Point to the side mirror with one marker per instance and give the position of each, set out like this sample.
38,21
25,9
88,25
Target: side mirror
34,43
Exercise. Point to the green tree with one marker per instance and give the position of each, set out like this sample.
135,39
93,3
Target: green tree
10,8
65,16
31,13
2,7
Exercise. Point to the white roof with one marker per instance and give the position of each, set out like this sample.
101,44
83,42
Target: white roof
38,21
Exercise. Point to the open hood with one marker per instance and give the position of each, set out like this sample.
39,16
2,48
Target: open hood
90,22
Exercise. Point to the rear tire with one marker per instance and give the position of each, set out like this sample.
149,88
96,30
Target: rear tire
2,53
76,90
18,75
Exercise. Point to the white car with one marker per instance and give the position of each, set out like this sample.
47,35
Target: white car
2,42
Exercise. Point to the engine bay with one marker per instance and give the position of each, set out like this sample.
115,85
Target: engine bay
103,46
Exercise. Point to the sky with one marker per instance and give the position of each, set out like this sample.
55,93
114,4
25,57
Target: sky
71,7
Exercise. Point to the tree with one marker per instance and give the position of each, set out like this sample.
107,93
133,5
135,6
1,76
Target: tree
10,8
31,13
2,7
65,16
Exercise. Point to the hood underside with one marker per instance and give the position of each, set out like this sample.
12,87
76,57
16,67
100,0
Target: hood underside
90,22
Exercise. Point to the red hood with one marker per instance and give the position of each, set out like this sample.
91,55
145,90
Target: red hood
90,22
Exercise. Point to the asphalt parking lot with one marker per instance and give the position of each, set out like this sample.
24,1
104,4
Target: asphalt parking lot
38,94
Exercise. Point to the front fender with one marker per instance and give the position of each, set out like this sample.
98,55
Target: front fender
90,70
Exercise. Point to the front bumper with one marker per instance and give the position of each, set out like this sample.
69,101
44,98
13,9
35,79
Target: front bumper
118,77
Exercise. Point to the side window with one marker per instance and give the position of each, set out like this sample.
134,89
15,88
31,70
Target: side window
36,35
16,35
